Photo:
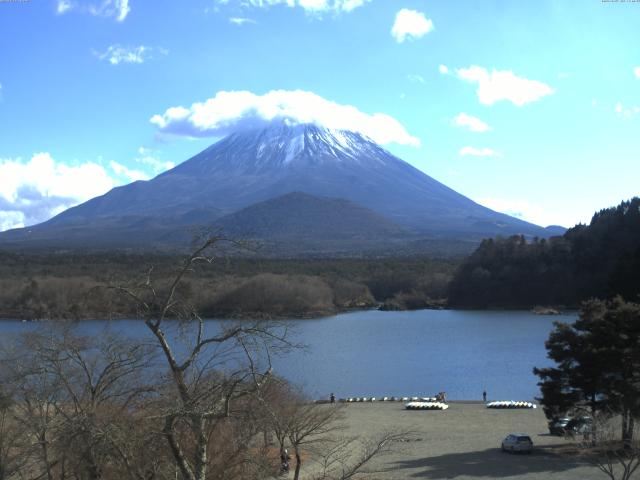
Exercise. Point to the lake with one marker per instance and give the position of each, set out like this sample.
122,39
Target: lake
416,353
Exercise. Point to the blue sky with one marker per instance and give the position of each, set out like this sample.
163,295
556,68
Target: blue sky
528,107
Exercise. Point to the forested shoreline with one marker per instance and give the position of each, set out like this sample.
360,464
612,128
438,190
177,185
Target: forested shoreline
76,286
599,260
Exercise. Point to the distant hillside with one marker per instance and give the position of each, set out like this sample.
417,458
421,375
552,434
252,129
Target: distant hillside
598,260
299,224
305,216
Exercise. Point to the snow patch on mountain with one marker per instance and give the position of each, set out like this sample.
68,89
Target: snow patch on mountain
283,145
294,148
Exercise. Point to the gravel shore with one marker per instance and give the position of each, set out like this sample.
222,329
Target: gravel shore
463,442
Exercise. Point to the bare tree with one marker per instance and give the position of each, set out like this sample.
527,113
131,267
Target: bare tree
295,420
12,440
312,431
71,395
210,372
348,458
310,425
617,459
34,395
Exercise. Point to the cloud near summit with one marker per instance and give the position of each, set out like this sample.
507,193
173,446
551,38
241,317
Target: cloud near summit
228,112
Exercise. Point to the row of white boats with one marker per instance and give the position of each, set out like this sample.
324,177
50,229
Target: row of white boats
388,399
432,403
426,406
510,404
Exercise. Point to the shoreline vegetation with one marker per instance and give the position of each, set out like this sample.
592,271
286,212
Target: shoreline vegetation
599,260
311,315
75,286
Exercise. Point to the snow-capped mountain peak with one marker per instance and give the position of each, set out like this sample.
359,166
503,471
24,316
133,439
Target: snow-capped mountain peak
282,144
256,165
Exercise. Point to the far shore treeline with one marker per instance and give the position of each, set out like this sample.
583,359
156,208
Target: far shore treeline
600,260
65,285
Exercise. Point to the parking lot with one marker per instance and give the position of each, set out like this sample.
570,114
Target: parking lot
463,442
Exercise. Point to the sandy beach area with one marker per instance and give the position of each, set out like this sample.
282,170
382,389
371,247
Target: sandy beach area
463,442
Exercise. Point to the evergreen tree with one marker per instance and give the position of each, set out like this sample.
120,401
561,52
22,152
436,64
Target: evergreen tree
598,363
599,260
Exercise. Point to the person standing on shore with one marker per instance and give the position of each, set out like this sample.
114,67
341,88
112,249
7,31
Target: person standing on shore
484,396
332,398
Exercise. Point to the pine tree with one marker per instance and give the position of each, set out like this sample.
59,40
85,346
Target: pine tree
598,363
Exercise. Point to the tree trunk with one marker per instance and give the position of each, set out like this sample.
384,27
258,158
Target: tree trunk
628,425
201,447
625,428
45,454
94,470
594,424
296,475
178,454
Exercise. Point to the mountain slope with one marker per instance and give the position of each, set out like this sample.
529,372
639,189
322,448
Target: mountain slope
298,224
253,166
300,215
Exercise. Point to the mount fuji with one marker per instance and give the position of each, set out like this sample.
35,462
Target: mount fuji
282,183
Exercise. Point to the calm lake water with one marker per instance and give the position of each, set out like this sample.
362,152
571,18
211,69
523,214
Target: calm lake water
374,353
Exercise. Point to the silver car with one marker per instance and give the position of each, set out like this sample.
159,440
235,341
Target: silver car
517,442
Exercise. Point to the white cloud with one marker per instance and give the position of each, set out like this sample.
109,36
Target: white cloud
415,78
443,69
526,211
348,5
472,123
10,219
237,110
63,6
123,9
149,158
479,152
310,6
628,112
35,190
636,72
129,174
117,54
500,85
410,24
118,9
241,21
